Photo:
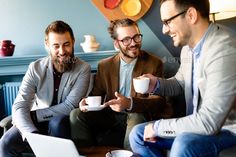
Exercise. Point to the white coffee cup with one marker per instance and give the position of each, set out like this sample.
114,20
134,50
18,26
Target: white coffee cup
93,101
141,84
119,153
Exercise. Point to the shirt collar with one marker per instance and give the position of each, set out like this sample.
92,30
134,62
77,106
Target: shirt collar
123,63
198,48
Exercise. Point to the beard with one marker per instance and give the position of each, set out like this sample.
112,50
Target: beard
65,64
131,55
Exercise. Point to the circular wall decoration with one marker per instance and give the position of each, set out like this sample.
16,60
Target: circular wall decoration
117,9
131,7
111,4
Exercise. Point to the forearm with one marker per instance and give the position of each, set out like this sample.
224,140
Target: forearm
168,87
47,114
21,118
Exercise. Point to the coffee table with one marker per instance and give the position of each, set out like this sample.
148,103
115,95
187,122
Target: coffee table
96,151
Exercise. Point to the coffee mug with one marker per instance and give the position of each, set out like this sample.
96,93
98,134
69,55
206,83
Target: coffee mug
119,153
141,84
93,101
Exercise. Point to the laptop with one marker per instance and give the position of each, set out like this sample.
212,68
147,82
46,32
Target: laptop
48,146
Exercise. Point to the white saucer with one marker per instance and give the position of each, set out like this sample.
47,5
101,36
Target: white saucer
119,153
97,108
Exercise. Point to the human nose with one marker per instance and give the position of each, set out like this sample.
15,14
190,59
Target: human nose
165,29
61,51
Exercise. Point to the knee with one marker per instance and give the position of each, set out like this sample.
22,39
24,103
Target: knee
58,122
133,132
185,139
136,132
5,142
74,115
183,144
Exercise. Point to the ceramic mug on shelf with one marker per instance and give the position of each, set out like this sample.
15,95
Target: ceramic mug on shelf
6,48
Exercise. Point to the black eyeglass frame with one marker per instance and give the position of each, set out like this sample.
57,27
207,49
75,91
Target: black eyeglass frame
129,39
168,21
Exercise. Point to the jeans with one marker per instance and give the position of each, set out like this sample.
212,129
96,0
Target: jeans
12,144
184,145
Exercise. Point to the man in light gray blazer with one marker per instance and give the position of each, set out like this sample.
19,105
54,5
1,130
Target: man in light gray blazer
51,88
207,76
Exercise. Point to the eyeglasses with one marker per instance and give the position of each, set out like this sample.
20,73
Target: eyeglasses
137,38
168,21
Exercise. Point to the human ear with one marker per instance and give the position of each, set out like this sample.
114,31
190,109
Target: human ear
192,15
116,45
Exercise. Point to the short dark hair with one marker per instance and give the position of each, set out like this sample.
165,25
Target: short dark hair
202,6
119,23
58,27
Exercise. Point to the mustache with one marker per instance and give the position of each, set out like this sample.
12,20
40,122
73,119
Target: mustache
134,46
70,60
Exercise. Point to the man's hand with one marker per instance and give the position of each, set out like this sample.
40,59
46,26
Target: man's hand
82,105
149,134
120,103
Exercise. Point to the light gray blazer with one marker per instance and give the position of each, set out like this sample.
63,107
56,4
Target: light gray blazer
216,80
36,92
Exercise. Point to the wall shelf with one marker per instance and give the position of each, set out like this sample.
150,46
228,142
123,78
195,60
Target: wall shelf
17,65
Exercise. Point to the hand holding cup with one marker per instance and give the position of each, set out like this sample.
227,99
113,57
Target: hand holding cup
90,102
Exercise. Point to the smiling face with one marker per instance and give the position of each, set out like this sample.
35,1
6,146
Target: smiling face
131,51
177,28
61,49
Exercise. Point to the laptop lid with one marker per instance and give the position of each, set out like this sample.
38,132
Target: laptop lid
48,146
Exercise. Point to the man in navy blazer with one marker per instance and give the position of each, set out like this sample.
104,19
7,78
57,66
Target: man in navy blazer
51,88
207,76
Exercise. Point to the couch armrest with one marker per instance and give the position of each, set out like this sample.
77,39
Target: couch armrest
5,123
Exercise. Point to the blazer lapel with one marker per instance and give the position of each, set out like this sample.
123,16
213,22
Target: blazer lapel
137,71
188,81
200,78
115,71
50,84
64,80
